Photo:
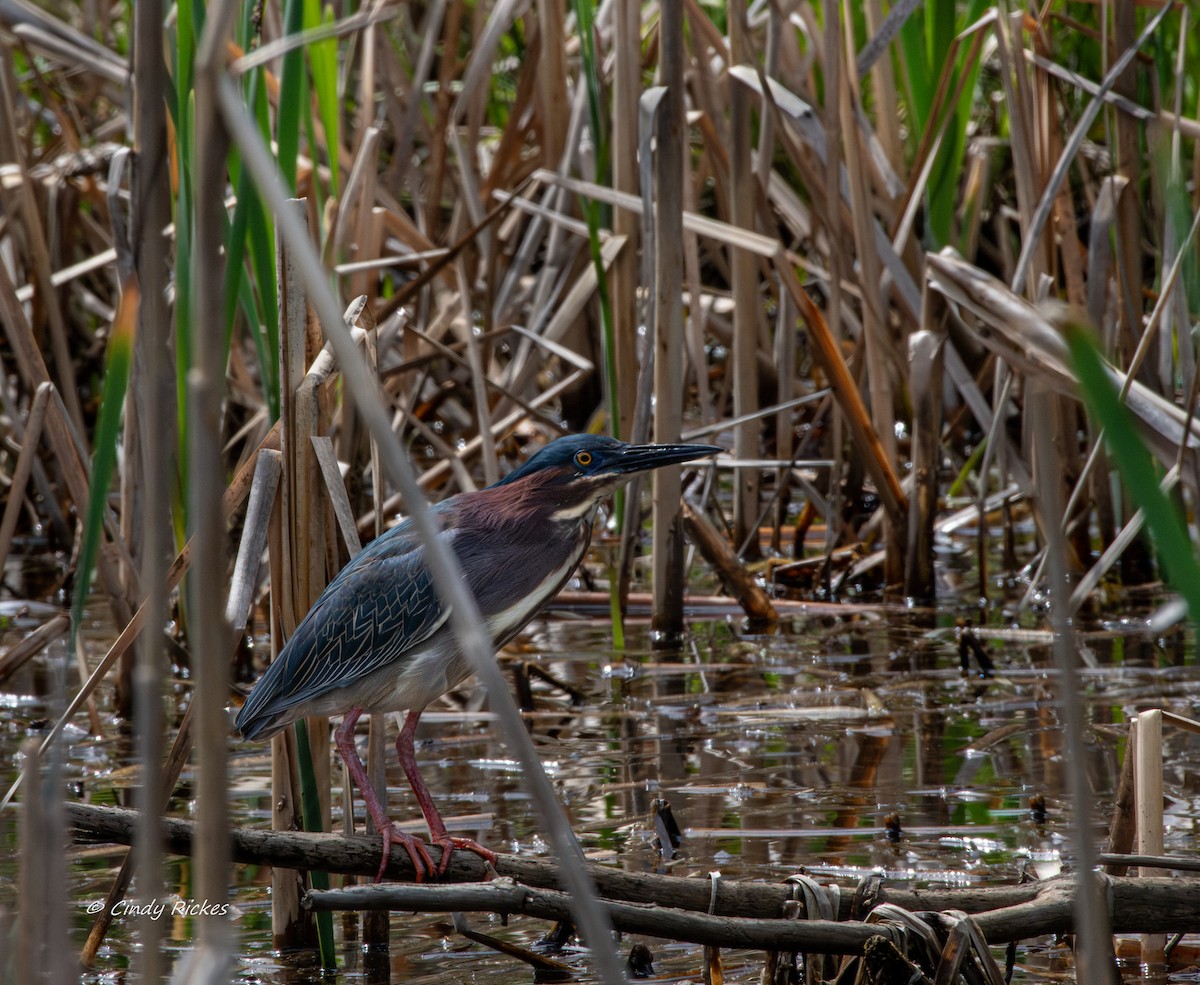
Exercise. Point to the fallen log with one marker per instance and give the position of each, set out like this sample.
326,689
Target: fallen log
506,896
359,855
640,901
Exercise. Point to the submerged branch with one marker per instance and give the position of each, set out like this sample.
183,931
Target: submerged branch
734,913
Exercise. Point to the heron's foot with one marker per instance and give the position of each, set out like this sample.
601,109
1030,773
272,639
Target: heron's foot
448,845
417,850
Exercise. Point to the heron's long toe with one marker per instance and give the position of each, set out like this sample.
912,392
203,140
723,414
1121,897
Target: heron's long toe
448,845
417,850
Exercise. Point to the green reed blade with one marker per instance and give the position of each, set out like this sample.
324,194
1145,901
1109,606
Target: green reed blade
291,96
310,809
1136,465
118,358
252,235
322,60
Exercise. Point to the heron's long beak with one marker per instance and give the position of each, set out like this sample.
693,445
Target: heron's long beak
640,458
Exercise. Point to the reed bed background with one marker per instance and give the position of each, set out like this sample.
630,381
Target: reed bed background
871,249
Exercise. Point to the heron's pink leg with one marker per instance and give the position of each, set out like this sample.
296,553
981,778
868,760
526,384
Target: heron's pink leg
437,828
343,737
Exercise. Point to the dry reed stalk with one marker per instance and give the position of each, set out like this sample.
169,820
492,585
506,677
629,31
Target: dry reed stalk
41,874
716,229
1128,167
747,308
785,362
406,123
436,171
1022,336
300,575
510,166
940,115
36,247
154,392
925,382
354,208
208,583
375,926
552,81
712,544
877,462
20,653
24,467
881,350
289,928
66,441
626,88
670,171
465,328
1091,914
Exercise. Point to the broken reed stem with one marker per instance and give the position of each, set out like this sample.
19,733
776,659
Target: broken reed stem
755,602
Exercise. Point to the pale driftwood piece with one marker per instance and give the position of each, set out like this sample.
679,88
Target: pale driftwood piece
1148,807
1171,862
244,583
1148,905
335,486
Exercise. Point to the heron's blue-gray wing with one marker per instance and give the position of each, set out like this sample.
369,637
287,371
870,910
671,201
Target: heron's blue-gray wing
382,604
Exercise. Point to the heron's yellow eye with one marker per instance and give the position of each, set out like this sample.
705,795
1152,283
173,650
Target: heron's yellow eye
583,458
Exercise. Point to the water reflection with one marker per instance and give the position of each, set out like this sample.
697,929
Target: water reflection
798,749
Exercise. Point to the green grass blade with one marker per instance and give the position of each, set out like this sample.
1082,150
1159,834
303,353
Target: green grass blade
310,810
918,77
183,320
184,103
189,19
322,59
291,96
584,17
310,134
1136,465
118,359
252,234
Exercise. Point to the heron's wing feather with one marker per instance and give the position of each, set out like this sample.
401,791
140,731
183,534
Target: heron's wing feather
382,605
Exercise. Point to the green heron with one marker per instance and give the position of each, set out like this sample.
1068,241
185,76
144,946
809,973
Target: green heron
378,638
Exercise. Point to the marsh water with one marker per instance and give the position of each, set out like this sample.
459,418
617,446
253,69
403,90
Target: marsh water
847,742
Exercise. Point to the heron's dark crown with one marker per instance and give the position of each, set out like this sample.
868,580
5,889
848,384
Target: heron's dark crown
572,456
572,474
